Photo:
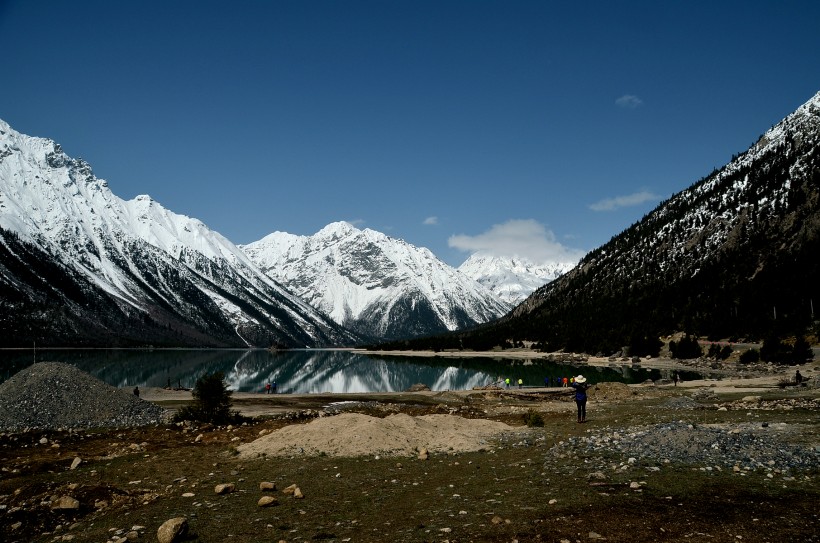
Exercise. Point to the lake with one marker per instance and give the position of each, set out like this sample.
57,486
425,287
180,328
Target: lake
308,371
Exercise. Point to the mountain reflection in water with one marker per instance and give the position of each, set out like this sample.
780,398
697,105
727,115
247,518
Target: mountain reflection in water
307,371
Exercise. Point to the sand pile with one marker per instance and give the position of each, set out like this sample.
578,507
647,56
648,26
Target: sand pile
353,434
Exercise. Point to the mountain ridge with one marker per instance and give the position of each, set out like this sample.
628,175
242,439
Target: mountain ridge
165,276
379,286
732,256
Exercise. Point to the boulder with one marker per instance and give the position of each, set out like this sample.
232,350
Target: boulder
172,530
224,488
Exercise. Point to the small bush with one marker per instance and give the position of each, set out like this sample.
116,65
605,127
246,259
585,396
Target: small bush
532,418
212,402
749,356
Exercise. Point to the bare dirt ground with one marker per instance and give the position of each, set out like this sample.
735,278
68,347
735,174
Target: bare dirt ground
732,459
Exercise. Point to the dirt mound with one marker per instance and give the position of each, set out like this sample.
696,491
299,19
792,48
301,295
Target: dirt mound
52,395
353,434
610,391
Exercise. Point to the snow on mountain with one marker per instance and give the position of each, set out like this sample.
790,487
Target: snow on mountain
375,285
512,279
733,255
167,267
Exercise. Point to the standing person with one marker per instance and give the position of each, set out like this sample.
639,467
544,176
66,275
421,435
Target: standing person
507,382
274,387
564,381
520,382
137,391
675,378
798,378
267,388
580,385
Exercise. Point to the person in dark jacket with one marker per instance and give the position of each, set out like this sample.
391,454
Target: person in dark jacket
580,385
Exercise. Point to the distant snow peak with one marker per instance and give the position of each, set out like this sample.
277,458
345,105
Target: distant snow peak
514,278
377,285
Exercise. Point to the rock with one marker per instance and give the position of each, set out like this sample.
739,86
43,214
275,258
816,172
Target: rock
297,493
289,490
633,485
418,387
751,399
267,501
593,535
424,454
597,475
172,530
224,488
267,486
77,461
553,501
497,520
65,503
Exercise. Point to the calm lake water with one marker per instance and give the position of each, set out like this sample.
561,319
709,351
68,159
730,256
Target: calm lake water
308,371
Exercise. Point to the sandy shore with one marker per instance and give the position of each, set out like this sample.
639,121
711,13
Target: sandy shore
256,404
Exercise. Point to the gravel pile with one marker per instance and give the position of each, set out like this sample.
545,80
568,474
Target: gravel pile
742,445
53,395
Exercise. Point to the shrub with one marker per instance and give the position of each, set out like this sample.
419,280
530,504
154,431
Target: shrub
533,418
687,347
749,356
212,402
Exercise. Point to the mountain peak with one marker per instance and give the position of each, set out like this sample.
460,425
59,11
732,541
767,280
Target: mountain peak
376,285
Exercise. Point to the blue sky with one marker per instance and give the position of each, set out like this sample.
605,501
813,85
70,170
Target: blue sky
542,128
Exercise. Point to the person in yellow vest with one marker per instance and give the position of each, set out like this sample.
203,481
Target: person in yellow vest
507,382
520,382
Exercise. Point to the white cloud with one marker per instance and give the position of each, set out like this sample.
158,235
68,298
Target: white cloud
629,101
517,238
638,198
430,221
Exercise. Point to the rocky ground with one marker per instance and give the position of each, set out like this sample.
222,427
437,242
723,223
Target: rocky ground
734,458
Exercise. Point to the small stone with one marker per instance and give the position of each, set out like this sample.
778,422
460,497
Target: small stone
424,454
553,501
289,490
66,503
594,535
77,461
267,501
172,530
267,486
634,484
497,520
224,488
297,493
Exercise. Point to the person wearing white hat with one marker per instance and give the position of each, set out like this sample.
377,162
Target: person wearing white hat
580,385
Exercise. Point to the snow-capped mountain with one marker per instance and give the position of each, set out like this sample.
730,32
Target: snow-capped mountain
128,271
512,279
373,284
